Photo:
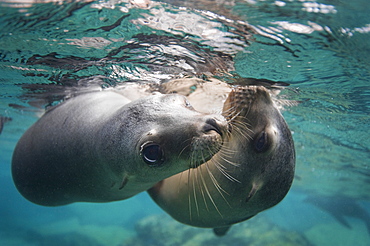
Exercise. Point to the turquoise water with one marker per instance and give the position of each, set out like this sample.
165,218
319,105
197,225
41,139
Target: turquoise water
51,50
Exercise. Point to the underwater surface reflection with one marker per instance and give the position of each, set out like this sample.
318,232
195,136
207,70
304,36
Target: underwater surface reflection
52,50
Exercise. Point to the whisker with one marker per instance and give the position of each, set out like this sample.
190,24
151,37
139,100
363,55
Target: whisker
201,185
194,193
221,168
228,152
231,117
186,146
242,120
244,134
228,112
225,158
209,195
189,196
217,185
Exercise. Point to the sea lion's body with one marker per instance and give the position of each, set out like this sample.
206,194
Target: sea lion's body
101,147
252,172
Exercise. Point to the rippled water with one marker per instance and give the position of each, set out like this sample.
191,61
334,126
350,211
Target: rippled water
53,49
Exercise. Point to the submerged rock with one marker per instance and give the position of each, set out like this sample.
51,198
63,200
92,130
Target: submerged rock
162,230
73,232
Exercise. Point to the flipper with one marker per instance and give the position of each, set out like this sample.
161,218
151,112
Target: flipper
124,182
221,231
3,120
252,192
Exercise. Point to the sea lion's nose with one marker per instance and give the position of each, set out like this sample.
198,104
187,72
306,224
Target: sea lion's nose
215,124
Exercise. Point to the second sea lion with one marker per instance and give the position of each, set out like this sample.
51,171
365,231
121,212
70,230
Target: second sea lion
252,172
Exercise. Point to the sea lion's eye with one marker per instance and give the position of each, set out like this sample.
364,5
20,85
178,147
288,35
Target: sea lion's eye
188,105
152,154
261,143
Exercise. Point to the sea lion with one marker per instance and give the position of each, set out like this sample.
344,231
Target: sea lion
252,172
101,147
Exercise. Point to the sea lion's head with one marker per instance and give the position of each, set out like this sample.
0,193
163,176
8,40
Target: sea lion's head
261,135
165,135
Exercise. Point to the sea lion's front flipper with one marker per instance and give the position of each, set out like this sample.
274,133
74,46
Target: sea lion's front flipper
221,231
124,182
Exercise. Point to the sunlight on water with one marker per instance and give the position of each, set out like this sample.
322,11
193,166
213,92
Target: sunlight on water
52,50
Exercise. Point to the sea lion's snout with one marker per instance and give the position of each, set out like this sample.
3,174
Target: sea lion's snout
211,138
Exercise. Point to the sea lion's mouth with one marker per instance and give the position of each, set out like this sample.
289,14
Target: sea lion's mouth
204,148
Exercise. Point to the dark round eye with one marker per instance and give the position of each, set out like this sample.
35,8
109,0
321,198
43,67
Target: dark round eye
152,154
261,143
188,105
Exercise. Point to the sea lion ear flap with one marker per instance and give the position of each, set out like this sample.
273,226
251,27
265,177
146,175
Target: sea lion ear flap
221,231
